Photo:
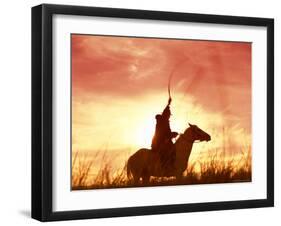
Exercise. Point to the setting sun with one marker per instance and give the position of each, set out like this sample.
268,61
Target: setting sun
144,133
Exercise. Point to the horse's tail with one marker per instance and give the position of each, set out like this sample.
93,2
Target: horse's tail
129,168
135,163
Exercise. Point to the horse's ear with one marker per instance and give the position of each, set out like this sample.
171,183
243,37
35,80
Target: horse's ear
190,124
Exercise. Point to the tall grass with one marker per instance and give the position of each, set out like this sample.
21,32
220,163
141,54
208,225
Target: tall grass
81,171
216,167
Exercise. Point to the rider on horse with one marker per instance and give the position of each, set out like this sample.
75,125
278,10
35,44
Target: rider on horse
162,139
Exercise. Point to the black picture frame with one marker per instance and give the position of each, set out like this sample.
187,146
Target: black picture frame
42,106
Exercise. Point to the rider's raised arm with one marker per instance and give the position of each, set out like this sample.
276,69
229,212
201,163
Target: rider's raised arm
169,101
167,112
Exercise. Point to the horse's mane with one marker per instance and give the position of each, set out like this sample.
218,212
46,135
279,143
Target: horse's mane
180,137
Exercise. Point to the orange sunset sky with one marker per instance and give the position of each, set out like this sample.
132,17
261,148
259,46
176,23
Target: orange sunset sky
119,84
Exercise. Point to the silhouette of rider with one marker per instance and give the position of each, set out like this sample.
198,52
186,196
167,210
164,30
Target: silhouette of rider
162,139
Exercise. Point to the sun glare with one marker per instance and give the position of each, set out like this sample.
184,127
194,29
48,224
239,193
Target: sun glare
144,134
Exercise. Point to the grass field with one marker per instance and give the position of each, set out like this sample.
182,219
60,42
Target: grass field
95,171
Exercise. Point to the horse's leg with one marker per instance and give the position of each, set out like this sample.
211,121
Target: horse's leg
136,179
145,179
178,176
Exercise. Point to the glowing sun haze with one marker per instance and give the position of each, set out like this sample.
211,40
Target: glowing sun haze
119,84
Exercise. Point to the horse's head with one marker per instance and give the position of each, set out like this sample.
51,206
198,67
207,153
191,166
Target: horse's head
194,133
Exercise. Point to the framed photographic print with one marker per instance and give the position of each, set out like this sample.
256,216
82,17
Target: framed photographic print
145,112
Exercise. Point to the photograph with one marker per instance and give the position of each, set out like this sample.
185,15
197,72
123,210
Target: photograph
152,111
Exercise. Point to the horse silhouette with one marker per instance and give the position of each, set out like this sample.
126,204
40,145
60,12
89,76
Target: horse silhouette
145,163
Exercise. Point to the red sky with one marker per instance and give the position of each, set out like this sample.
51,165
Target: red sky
116,78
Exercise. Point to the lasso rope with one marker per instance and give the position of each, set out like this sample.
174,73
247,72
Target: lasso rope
171,75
